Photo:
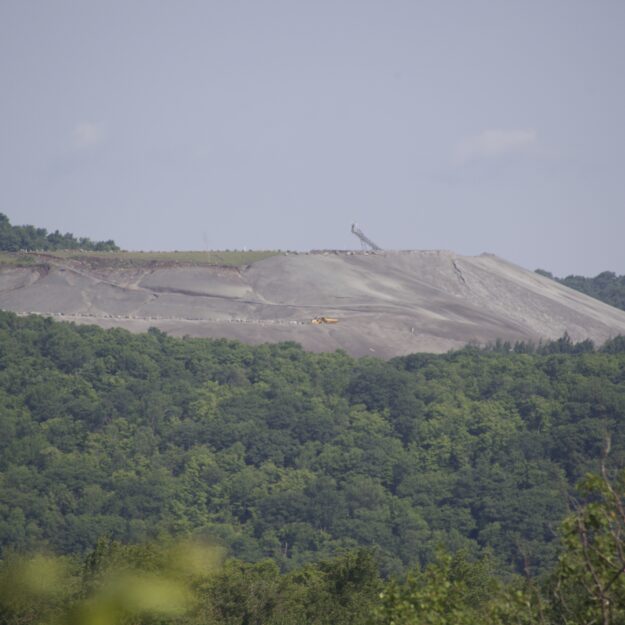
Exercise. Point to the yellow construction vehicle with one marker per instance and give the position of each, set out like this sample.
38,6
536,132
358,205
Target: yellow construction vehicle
319,320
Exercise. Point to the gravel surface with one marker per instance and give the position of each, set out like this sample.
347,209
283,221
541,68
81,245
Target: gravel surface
387,303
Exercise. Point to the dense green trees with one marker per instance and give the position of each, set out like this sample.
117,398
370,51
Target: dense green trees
606,286
189,583
275,452
15,238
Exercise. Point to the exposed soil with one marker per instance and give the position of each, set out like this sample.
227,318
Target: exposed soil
387,303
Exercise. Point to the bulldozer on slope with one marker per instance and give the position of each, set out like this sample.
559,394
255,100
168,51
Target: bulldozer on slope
319,320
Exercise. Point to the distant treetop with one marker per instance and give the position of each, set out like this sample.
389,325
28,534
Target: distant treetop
15,238
606,286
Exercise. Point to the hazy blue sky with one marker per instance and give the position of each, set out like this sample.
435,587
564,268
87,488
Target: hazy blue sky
470,125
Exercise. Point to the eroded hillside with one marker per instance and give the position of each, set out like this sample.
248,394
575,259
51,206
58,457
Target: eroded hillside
386,303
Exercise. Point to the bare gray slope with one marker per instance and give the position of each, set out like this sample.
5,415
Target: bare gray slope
387,303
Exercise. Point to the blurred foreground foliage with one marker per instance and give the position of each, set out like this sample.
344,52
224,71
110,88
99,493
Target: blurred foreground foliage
190,583
186,583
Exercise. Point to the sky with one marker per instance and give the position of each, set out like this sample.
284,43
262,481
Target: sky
470,125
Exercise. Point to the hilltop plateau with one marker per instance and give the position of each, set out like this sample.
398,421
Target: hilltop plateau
386,303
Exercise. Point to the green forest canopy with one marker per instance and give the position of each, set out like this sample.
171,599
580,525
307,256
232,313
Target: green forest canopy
16,238
187,582
280,453
606,286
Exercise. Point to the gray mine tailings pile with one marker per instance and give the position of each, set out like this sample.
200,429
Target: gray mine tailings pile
386,303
